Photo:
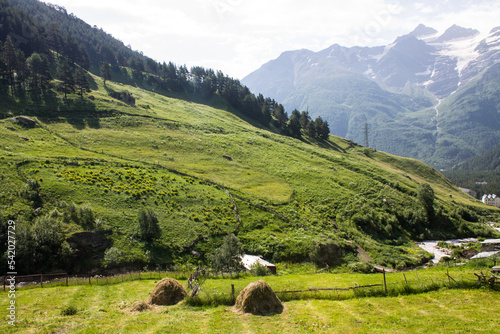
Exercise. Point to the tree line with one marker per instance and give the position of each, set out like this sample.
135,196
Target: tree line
41,42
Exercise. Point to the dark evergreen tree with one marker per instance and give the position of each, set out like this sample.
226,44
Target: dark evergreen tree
294,124
39,75
65,74
304,119
310,129
9,59
81,82
106,72
281,116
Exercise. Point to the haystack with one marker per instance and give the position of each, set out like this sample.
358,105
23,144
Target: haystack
258,298
167,292
139,306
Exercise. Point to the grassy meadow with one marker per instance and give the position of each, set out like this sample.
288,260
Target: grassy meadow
430,304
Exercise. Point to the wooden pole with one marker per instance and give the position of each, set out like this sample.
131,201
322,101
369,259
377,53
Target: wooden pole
385,282
406,282
232,290
448,274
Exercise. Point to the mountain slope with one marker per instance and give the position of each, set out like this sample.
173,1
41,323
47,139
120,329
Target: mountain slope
115,176
405,91
183,159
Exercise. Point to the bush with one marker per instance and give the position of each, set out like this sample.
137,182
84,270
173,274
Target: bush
361,267
112,257
69,310
260,270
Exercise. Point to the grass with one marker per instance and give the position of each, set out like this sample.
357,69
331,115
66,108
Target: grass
103,308
182,158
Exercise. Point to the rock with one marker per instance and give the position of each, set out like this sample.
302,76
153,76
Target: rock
26,121
123,96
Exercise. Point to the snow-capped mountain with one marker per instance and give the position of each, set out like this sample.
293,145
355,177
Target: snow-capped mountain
414,73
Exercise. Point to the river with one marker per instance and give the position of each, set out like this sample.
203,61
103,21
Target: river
431,245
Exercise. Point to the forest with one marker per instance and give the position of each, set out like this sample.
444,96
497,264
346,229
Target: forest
34,51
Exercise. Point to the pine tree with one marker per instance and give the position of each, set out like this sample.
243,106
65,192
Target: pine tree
9,58
106,72
310,129
66,76
294,124
81,81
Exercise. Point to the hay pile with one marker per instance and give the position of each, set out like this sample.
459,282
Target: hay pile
167,292
258,298
139,306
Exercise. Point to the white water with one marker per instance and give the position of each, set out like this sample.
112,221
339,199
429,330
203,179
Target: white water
431,246
437,114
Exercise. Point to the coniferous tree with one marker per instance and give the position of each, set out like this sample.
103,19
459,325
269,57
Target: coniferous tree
106,72
65,74
294,124
81,82
310,129
39,74
9,58
304,119
281,116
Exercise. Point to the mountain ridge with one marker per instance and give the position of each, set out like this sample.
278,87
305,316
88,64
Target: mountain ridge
420,66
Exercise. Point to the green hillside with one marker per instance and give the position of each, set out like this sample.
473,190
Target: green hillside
152,165
187,162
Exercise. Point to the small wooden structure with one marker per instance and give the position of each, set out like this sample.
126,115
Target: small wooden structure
249,261
496,269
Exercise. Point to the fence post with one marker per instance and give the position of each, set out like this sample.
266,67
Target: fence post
385,283
232,290
406,282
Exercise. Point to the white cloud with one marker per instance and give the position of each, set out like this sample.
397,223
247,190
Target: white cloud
238,36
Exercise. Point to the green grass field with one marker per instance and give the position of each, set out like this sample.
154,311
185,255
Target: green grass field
104,308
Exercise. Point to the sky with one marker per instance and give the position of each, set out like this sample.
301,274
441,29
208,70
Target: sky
239,36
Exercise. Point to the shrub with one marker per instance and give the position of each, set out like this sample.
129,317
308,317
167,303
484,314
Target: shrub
361,267
69,310
112,257
260,270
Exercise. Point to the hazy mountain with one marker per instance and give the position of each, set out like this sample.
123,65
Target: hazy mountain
406,91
